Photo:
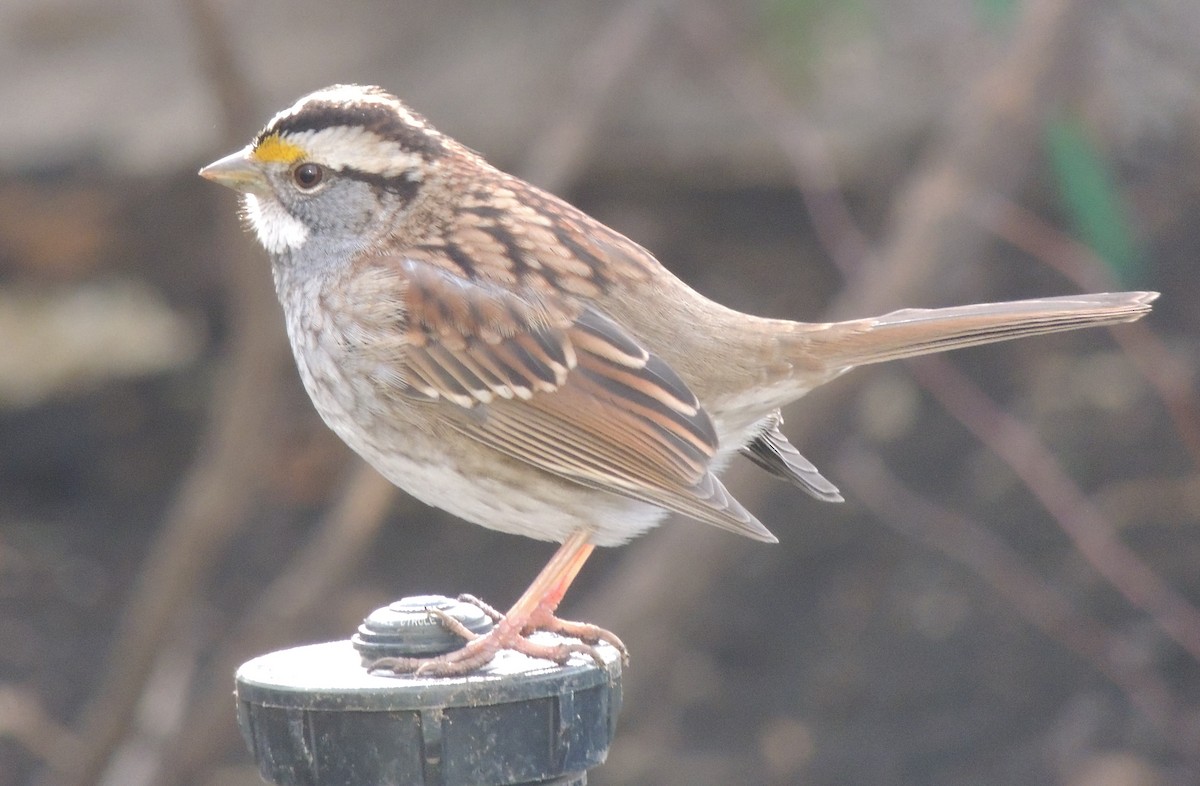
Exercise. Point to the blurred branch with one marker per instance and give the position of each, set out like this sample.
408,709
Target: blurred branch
561,147
1087,527
801,142
1152,501
23,720
332,552
1168,373
971,544
217,493
222,70
986,147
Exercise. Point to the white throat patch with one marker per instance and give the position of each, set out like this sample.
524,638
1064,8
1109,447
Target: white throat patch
278,230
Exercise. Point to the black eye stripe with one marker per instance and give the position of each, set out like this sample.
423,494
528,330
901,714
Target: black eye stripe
401,185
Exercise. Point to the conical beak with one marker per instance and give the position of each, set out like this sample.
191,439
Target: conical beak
239,172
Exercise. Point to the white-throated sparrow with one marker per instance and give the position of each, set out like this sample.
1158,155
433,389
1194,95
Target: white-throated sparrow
499,354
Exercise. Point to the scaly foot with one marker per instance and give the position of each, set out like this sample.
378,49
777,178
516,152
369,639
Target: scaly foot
479,650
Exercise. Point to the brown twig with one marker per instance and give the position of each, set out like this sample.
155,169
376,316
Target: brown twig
971,544
1087,527
333,550
212,504
217,493
25,721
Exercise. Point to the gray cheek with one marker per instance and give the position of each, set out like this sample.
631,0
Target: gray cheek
337,219
348,208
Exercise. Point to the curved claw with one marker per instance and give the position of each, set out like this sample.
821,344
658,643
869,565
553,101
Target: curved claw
487,609
451,624
587,633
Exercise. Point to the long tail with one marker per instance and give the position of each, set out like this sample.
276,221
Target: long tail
920,331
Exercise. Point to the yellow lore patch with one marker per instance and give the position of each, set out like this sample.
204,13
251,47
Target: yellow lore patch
273,149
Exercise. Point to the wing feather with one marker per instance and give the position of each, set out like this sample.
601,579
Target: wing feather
562,387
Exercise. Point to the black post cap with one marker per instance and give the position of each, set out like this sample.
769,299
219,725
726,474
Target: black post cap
314,716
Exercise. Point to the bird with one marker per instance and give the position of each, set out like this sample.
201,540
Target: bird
499,354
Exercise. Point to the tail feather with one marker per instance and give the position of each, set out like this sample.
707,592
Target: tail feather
921,331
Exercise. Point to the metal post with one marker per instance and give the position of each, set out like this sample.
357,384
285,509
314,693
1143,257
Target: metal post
314,716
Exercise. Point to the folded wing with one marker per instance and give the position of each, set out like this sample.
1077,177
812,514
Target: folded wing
558,385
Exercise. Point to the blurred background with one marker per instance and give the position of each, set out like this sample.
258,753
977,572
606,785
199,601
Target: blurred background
1009,594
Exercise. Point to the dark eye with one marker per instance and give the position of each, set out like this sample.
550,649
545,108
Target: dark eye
308,176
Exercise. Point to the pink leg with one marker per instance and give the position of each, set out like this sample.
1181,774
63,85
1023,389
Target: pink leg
533,611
